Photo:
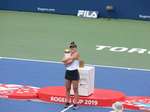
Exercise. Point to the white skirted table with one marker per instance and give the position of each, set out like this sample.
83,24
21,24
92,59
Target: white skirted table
86,83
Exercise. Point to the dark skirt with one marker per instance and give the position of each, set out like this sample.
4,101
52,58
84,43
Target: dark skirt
72,75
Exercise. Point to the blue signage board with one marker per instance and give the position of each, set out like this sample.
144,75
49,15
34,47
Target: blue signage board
126,9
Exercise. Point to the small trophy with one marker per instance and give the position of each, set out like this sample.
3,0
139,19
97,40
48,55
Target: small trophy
67,53
81,64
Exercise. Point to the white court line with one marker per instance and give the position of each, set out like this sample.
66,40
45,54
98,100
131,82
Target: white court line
85,64
67,108
29,60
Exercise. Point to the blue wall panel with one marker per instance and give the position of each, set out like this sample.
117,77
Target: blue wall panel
128,9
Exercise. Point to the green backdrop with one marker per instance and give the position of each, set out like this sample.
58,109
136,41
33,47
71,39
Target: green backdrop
42,36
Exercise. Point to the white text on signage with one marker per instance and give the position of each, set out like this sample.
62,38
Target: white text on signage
122,49
80,101
87,14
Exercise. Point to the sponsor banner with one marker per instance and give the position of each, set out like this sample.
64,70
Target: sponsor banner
12,91
140,9
137,103
87,14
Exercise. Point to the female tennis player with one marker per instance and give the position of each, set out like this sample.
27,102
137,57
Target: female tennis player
72,75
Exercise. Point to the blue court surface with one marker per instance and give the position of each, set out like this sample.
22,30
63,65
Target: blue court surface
8,105
132,82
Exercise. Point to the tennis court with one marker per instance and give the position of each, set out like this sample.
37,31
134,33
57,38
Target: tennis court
26,38
43,74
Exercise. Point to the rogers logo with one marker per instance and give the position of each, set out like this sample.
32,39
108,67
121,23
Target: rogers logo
144,16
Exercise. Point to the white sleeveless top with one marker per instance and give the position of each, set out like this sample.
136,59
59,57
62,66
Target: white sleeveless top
74,65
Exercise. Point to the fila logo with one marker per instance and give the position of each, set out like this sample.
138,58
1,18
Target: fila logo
87,14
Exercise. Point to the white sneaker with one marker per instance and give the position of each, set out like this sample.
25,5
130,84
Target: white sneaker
75,106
